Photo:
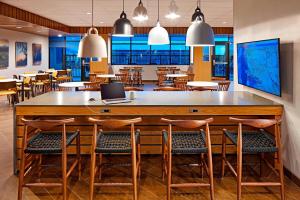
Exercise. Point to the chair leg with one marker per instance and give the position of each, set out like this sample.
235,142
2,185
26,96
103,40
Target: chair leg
163,159
78,155
100,165
211,174
239,174
169,176
40,157
139,160
64,174
201,164
21,175
223,155
281,173
92,175
134,175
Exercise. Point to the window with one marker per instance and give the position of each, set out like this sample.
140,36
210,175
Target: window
136,51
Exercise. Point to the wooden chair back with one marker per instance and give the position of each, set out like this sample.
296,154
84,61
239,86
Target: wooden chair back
91,86
215,78
190,124
167,89
93,77
203,89
191,76
161,77
115,123
181,83
123,78
42,77
133,89
10,85
223,85
256,123
62,73
46,124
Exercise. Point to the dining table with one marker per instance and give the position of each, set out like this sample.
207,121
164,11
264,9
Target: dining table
75,85
203,84
108,76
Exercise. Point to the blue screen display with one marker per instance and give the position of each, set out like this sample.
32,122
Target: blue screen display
258,65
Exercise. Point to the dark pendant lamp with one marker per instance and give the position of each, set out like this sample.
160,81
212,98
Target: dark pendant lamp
199,33
140,12
122,26
92,45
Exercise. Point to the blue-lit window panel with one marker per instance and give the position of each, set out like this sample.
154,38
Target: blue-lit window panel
206,54
136,51
56,56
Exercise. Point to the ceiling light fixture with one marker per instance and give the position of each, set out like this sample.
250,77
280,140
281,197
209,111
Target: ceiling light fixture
122,26
19,27
172,11
92,45
140,13
199,33
88,13
59,35
158,35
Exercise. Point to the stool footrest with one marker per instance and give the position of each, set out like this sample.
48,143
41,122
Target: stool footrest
112,184
42,185
190,185
259,184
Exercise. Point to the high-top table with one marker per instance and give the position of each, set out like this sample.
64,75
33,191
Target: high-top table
149,105
75,85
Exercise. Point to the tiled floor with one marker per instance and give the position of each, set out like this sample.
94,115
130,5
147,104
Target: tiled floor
151,185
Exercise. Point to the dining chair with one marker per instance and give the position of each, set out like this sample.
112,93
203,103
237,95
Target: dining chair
42,83
223,85
91,86
39,139
9,89
181,83
258,141
187,143
115,142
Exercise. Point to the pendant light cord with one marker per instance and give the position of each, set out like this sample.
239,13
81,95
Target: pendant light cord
198,3
92,13
123,5
158,11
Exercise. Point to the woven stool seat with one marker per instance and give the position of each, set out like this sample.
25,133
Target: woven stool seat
48,142
115,142
254,141
187,142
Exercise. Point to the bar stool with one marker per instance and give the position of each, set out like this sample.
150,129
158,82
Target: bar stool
40,142
115,142
187,142
254,142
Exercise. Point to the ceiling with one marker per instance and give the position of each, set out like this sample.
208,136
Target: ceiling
218,13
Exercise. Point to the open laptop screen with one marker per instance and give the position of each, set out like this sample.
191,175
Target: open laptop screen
112,91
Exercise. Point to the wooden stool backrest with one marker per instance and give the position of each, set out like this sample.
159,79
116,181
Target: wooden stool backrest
42,77
62,73
46,124
256,123
115,123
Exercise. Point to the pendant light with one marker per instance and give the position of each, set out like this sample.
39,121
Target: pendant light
92,45
172,11
140,13
158,35
123,27
199,33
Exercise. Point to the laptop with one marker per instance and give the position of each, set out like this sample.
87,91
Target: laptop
113,93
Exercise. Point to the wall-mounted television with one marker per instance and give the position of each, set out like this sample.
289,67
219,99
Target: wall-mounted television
259,65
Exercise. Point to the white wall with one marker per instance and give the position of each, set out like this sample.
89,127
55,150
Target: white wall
265,19
14,36
149,71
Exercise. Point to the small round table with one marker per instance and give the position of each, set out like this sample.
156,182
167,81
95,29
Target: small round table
75,85
202,84
108,76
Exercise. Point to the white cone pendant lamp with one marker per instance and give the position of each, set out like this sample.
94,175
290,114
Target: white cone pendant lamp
199,33
92,45
140,13
158,35
122,26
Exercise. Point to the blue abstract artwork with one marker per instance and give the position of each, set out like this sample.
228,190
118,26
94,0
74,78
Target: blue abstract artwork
259,65
36,54
21,54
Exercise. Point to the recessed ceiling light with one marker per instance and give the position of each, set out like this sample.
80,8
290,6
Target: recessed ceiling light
101,22
224,22
88,13
59,35
19,27
39,31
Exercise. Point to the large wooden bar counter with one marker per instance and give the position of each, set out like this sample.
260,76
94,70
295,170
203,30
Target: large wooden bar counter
151,106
